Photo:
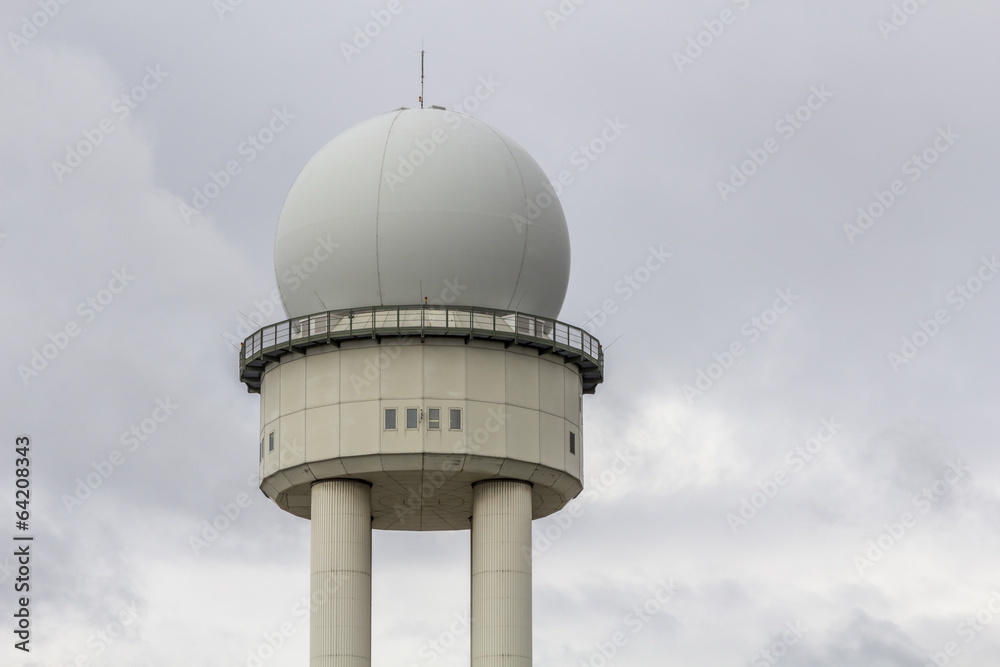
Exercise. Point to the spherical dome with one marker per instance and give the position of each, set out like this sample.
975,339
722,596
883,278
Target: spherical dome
422,203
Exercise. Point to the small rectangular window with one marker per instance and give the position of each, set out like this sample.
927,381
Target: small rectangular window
433,419
572,442
390,419
262,449
270,441
455,419
411,418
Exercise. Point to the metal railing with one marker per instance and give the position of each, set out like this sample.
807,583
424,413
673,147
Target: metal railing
271,342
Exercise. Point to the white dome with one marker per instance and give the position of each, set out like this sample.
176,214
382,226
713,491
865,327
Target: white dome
422,203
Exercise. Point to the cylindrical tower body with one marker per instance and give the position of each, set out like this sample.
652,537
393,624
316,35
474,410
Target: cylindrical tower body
501,574
340,629
422,421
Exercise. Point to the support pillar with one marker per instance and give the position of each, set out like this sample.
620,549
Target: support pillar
340,625
501,574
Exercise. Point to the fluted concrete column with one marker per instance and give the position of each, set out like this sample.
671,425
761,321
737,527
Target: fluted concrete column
340,626
501,574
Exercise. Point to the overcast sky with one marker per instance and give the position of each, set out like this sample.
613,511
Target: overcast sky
796,440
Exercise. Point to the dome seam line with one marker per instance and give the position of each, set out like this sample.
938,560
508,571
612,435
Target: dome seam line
378,203
524,190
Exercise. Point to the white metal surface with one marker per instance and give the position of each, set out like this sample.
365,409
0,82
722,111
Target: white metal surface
422,203
340,631
501,574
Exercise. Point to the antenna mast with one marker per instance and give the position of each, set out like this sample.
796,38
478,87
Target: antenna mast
421,78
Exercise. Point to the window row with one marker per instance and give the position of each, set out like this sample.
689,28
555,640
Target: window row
413,417
270,444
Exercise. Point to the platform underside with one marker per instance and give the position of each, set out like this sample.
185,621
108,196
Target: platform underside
421,491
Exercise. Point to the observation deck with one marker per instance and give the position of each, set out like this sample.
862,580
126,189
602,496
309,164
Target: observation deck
545,335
